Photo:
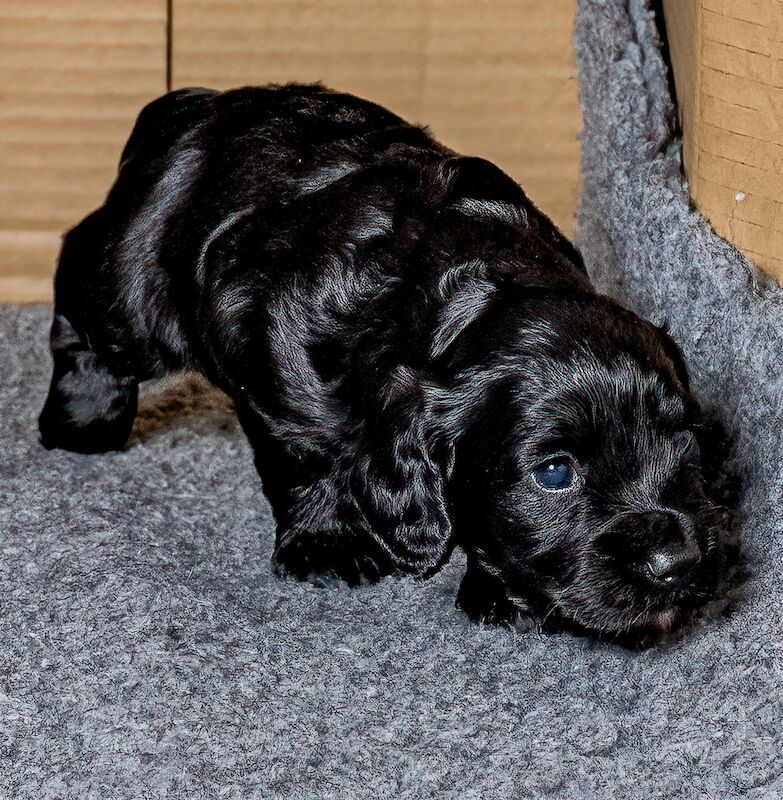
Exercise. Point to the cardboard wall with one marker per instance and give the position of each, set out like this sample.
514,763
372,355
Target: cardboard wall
727,57
490,77
73,75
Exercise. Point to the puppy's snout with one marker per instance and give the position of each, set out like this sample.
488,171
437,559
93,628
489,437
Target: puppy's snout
673,555
658,546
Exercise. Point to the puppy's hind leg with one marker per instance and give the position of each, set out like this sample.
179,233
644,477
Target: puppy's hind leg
89,408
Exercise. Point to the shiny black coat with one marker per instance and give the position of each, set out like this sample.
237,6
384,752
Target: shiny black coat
387,316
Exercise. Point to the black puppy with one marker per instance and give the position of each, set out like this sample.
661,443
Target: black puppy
415,353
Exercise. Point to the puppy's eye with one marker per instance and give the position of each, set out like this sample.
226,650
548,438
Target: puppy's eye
556,474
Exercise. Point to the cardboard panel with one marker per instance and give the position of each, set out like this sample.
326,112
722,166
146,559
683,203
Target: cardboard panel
73,76
494,78
727,57
686,62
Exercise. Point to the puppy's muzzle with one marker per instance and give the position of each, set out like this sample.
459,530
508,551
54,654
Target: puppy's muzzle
658,547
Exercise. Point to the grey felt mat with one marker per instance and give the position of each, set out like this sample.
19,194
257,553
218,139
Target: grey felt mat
148,652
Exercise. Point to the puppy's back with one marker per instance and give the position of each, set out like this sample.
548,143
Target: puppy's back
196,157
222,196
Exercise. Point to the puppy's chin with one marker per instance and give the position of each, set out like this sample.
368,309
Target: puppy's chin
644,622
629,628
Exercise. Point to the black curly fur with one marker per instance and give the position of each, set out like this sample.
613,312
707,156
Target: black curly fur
405,338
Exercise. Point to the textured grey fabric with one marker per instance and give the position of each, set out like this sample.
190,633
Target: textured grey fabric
148,652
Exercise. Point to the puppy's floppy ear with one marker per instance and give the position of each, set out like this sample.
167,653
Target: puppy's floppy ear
463,292
480,188
674,354
715,442
721,474
478,179
398,483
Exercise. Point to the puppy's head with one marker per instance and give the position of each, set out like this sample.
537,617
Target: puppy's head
581,480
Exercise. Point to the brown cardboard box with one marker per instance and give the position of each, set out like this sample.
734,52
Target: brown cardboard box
727,57
73,75
489,77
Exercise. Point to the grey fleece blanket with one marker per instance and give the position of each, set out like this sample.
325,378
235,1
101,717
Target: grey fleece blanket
148,652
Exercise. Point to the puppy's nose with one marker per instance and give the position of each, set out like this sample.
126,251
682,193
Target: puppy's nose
673,566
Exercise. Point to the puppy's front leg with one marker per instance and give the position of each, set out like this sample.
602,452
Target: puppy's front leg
357,506
483,596
321,533
322,536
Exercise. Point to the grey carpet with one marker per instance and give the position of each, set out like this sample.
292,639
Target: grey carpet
147,651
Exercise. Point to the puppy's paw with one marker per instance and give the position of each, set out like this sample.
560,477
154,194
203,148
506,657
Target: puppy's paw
325,559
483,598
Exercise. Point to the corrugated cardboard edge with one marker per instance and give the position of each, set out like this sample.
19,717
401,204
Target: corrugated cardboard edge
727,57
683,22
